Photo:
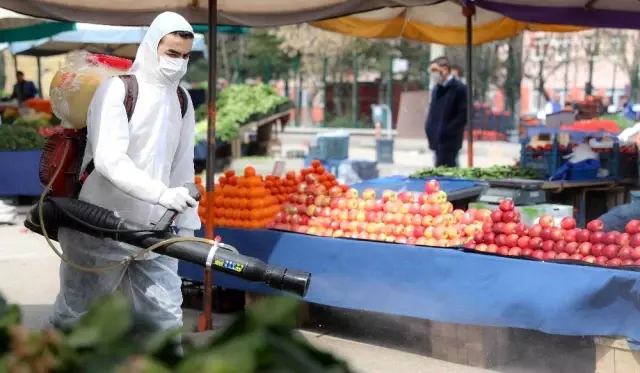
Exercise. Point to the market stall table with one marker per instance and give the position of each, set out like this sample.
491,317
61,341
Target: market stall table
445,285
19,173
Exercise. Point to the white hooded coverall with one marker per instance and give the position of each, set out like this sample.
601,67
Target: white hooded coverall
135,162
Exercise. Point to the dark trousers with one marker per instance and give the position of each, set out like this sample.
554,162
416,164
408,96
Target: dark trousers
447,158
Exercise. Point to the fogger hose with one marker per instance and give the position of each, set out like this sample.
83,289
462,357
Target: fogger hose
124,262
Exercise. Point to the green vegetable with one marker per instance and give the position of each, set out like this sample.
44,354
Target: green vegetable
112,338
237,105
477,173
18,137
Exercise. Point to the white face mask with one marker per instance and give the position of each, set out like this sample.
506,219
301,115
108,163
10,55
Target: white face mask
173,68
435,77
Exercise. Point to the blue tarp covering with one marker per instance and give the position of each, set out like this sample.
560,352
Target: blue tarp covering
446,285
19,173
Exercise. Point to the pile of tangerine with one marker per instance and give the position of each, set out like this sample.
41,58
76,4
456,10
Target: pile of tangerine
243,201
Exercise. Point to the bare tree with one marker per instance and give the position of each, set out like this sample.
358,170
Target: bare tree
624,51
543,55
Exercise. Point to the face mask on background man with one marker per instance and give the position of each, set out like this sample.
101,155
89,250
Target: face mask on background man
435,77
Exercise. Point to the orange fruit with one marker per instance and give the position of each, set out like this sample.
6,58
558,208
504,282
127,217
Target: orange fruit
316,163
232,180
198,180
229,173
319,169
249,171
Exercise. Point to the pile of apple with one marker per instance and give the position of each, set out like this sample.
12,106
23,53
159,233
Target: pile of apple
504,234
426,219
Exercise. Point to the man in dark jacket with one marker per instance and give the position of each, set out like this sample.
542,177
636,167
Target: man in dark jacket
447,114
23,89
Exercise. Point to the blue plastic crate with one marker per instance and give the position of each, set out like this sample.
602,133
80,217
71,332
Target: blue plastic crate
384,151
332,147
545,161
582,174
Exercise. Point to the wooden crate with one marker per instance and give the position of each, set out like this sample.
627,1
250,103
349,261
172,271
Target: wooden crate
615,356
303,318
476,346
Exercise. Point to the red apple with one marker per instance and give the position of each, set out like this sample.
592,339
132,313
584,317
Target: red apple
515,251
435,210
583,235
585,248
418,231
615,262
512,240
503,250
467,218
538,254
521,229
535,230
487,227
388,195
624,252
557,234
483,215
548,245
627,262
562,256
596,250
568,223
492,248
481,247
610,251
571,235
576,256
545,234
595,225
546,221
509,216
499,227
559,246
500,240
570,248
590,259
635,240
479,237
596,237
635,253
550,255
496,216
624,239
510,228
633,227
602,260
432,186
610,238
536,243
411,240
506,205
404,197
524,242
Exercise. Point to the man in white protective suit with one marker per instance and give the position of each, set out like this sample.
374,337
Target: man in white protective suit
140,167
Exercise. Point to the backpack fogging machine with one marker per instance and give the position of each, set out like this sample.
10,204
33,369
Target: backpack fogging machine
62,175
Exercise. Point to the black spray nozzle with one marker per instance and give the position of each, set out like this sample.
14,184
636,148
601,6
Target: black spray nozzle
169,216
289,280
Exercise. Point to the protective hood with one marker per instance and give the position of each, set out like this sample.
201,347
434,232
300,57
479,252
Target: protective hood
146,63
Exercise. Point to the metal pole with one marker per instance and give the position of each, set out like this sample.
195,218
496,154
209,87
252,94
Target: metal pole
468,11
390,90
39,76
354,94
211,157
325,67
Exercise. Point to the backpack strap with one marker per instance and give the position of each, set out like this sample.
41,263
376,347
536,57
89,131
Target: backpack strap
130,93
183,99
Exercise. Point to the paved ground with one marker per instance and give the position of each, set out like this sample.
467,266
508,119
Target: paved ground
371,343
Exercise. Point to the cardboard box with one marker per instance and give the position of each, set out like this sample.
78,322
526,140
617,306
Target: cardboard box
531,214
615,356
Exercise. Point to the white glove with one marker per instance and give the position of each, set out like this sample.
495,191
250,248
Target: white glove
186,232
626,135
177,199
